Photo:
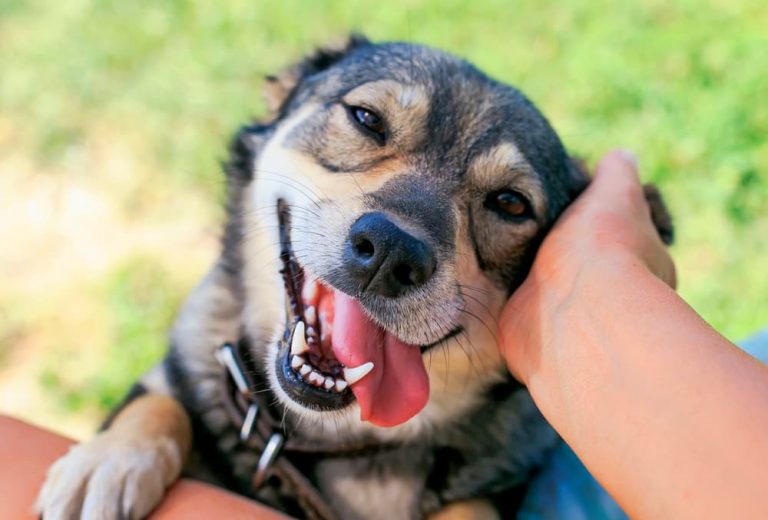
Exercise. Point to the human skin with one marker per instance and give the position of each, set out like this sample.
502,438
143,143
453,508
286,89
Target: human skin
669,416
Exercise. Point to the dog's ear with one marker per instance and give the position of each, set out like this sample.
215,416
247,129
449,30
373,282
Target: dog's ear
578,175
279,89
659,213
243,148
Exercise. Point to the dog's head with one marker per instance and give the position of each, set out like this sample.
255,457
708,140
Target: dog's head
387,211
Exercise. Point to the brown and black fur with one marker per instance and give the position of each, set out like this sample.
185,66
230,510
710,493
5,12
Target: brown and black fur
474,136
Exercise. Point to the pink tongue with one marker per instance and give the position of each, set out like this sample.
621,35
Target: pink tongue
397,388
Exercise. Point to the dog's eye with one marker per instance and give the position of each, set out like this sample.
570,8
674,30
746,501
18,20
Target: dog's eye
369,120
509,204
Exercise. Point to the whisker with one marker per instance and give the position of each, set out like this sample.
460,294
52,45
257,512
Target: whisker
483,307
475,316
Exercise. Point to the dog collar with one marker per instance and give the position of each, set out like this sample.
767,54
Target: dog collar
245,409
262,429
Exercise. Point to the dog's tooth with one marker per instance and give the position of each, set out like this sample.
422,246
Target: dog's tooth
311,332
296,362
305,369
299,340
353,375
329,383
341,385
310,313
315,378
311,291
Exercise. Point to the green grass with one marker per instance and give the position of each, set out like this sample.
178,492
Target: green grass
141,298
684,84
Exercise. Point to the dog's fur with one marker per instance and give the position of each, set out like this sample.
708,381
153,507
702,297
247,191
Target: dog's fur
453,137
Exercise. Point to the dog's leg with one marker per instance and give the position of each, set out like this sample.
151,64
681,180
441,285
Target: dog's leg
124,470
468,510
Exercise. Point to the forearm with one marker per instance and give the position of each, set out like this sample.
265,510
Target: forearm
667,414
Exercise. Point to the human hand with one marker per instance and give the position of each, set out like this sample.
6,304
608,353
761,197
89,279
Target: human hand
608,227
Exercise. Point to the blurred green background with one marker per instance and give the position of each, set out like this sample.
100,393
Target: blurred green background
114,116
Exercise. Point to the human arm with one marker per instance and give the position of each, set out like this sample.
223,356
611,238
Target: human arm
668,415
26,452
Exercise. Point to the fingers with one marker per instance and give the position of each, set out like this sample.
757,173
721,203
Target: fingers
618,183
617,166
615,187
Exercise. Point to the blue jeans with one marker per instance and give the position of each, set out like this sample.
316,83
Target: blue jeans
565,490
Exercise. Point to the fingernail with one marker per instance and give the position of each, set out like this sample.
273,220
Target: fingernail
628,157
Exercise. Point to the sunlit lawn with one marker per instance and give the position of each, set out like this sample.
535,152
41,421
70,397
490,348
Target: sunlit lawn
114,117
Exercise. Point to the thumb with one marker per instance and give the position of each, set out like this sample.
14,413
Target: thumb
617,169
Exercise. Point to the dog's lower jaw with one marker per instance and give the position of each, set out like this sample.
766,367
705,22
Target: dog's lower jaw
310,423
447,403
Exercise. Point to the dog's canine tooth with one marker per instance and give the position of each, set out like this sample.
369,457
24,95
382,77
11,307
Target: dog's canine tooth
341,385
305,369
353,375
329,383
299,340
310,314
297,362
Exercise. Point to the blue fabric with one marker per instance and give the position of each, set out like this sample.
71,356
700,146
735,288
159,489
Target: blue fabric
757,345
565,490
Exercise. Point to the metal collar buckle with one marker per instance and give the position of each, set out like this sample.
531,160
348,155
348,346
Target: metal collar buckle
273,446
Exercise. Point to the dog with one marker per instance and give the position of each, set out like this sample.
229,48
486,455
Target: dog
340,358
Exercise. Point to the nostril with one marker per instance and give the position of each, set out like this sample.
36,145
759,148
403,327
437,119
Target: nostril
403,273
381,258
364,248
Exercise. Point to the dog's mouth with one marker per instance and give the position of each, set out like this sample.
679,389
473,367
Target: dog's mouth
333,352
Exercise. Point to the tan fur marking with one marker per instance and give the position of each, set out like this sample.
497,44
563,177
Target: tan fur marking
469,510
404,107
155,416
277,88
505,166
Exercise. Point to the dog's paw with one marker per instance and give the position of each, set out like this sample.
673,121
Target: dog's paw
110,477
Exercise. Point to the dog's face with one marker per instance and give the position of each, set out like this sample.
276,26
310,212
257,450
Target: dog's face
396,201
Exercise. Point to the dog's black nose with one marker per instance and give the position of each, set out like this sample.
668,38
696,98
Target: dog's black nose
384,259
